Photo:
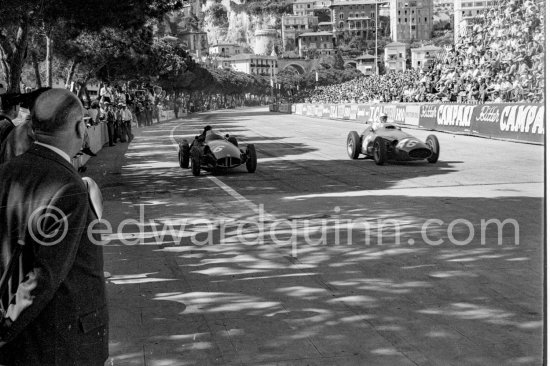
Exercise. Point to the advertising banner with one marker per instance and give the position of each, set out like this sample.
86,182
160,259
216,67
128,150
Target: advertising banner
412,115
428,116
377,109
363,112
326,111
399,116
455,117
310,110
319,110
347,111
353,112
522,122
333,111
340,114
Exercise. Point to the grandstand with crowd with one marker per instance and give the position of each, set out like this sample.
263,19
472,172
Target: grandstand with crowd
499,59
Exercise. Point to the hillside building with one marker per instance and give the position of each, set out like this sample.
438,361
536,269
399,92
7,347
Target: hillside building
321,43
294,25
395,56
355,17
253,64
411,20
424,56
225,50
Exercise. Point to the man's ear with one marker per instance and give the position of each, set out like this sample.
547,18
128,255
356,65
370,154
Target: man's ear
80,129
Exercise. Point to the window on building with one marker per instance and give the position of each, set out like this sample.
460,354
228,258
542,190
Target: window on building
405,20
398,20
341,15
425,20
413,27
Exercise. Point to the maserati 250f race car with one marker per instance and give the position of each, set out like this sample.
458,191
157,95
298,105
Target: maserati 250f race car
386,141
215,152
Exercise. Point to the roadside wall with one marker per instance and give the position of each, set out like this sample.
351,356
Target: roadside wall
519,122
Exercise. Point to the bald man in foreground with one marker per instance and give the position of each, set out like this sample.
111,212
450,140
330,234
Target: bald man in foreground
55,310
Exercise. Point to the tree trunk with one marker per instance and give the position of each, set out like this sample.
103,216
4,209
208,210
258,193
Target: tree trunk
36,67
71,72
16,59
49,60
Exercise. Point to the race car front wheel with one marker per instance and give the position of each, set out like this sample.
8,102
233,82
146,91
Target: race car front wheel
196,161
183,155
252,159
380,151
433,144
354,145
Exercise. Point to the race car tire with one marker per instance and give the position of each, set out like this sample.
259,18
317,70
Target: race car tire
184,154
354,145
233,140
252,159
379,151
196,161
433,144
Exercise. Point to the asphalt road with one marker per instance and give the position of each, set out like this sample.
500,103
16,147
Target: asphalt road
316,259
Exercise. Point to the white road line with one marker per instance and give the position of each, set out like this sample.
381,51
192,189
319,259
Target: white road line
230,191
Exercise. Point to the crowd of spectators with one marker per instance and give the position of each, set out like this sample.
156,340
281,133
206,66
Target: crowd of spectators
500,58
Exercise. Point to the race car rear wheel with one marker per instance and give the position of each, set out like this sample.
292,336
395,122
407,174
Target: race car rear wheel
183,154
252,159
354,145
380,151
233,140
196,161
433,144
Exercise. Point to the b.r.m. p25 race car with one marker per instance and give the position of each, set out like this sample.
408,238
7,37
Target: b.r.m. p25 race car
386,141
215,152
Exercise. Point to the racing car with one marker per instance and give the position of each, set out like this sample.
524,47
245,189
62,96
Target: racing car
386,141
214,153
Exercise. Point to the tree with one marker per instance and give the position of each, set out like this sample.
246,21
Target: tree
339,61
25,17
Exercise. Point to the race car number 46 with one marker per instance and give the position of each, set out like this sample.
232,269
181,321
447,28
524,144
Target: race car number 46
406,143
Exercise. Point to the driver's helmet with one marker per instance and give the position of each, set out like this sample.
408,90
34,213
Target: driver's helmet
383,118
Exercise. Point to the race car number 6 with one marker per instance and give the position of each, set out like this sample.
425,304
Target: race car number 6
407,143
